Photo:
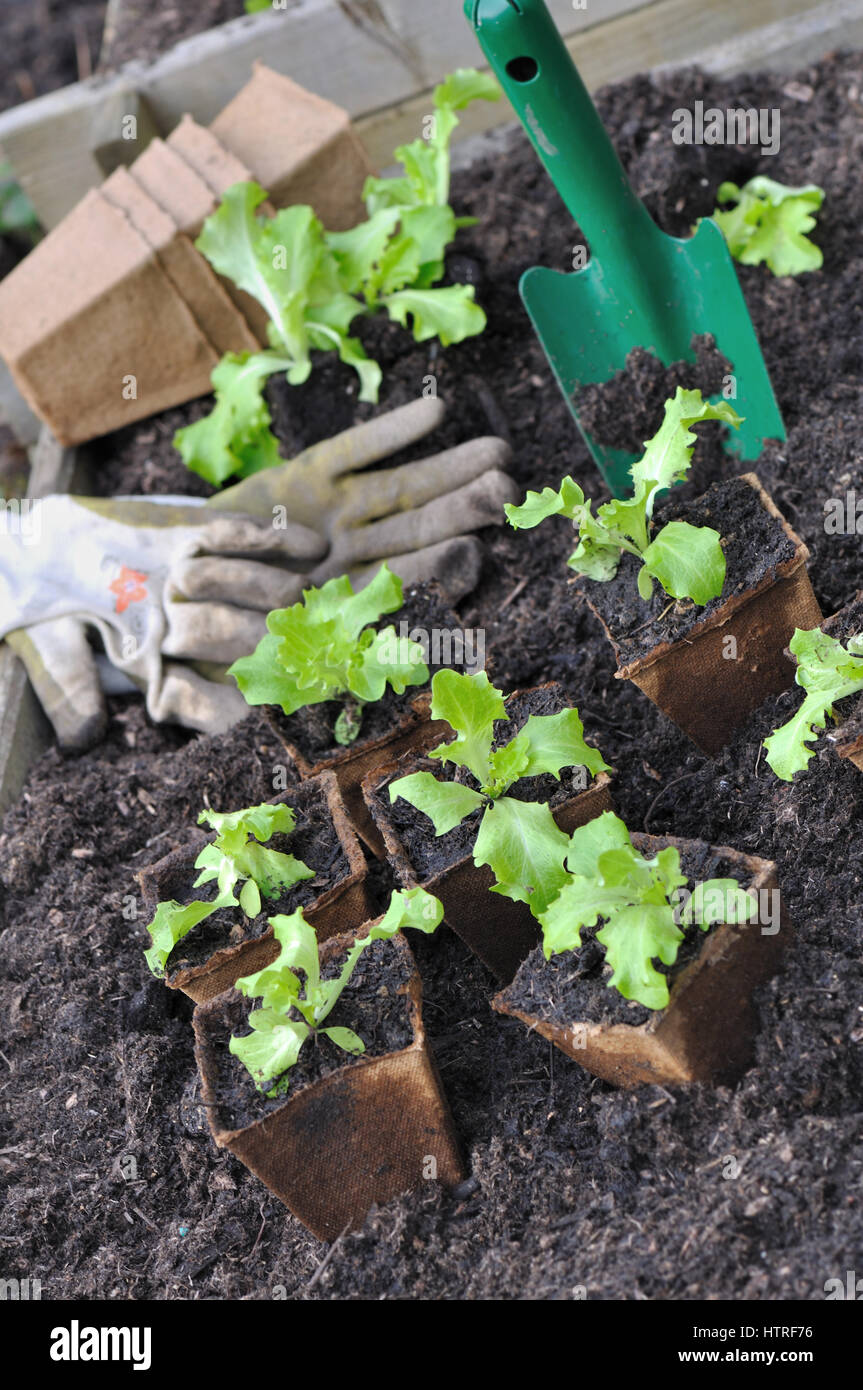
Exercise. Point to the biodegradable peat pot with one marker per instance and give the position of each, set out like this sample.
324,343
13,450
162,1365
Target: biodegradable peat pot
497,929
708,668
394,726
107,321
706,1033
227,945
345,1138
847,735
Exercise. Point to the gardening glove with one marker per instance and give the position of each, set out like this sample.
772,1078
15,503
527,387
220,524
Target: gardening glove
418,517
167,582
116,565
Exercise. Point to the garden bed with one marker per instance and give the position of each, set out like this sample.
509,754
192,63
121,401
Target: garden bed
573,1184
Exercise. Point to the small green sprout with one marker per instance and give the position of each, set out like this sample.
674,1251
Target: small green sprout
236,855
609,879
687,561
827,672
768,223
325,649
519,840
292,1012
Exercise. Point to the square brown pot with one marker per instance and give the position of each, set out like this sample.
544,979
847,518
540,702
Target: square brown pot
497,929
358,1136
708,1029
337,911
98,301
323,162
708,695
194,281
412,732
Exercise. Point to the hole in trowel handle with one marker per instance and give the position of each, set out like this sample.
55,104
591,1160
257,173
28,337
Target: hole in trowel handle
522,69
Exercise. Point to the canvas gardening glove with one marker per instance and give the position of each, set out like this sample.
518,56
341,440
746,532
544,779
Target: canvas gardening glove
179,589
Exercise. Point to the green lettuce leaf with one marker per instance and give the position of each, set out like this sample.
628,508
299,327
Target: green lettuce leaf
688,561
324,647
827,672
525,850
718,900
768,221
668,454
470,705
238,854
236,436
445,803
610,880
449,314
568,501
546,743
172,922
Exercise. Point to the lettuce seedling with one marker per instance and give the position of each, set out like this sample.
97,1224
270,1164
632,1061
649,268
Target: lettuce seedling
768,223
325,649
687,561
236,855
291,1012
313,284
609,879
519,840
827,672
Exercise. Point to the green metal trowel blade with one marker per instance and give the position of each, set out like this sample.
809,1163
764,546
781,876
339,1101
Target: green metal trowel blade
587,328
641,288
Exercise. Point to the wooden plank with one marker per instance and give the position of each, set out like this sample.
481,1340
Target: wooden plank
360,55
673,33
121,128
793,41
24,731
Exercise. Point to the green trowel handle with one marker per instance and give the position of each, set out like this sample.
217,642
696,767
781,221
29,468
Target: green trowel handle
532,63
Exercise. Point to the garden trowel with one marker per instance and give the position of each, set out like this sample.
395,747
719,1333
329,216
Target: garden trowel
641,287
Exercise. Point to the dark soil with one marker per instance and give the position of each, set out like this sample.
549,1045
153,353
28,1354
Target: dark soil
310,730
313,841
372,1005
47,44
573,1183
754,544
430,854
146,29
618,411
573,986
